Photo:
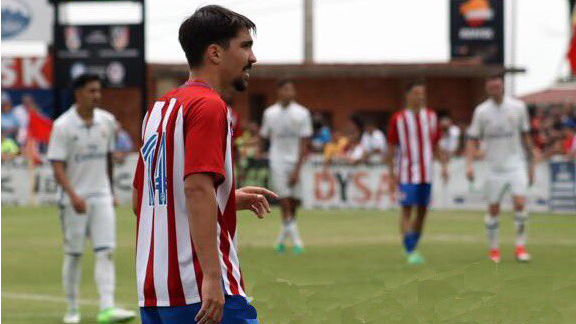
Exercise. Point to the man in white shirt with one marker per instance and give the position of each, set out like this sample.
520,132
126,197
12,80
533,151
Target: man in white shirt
502,123
80,150
288,125
373,142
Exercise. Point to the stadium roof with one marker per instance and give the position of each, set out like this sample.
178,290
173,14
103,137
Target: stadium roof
354,70
558,94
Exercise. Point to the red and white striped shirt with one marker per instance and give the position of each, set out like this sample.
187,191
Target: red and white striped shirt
415,134
186,131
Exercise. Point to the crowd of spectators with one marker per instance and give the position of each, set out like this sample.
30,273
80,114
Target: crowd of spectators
23,126
553,131
361,140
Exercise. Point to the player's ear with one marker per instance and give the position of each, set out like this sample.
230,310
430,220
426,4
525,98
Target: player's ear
214,53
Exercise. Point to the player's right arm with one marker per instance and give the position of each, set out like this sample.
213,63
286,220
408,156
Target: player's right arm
393,142
58,152
473,143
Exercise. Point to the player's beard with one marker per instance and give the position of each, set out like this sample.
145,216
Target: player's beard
240,84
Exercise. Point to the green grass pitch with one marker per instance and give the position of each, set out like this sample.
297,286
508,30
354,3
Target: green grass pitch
353,270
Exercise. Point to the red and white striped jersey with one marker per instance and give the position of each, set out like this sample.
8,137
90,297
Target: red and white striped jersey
186,131
415,134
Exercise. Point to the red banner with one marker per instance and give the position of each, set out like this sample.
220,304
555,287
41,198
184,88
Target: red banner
27,72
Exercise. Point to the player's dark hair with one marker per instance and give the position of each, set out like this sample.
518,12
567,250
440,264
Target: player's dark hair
413,84
210,25
82,80
493,76
282,82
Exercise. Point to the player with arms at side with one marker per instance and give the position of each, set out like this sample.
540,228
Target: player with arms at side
502,123
80,150
288,125
413,135
187,264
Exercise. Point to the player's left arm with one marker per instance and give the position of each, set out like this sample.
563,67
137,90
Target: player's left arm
305,136
304,148
527,142
440,154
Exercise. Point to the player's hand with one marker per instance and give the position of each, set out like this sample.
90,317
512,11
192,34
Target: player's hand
293,179
470,173
114,201
212,301
79,204
254,199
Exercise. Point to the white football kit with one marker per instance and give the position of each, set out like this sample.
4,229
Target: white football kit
84,148
501,128
285,127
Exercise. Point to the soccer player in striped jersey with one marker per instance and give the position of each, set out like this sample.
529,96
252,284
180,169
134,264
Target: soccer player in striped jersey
413,135
184,198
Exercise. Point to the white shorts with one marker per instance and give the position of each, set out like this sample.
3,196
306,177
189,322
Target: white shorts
97,224
280,173
497,183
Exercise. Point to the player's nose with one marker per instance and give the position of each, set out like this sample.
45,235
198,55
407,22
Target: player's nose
252,58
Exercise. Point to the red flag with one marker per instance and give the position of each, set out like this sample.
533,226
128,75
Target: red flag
39,127
572,47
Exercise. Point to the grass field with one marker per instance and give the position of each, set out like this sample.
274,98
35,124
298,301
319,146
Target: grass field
353,270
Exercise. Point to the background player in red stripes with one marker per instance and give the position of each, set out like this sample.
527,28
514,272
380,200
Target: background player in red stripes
187,261
413,135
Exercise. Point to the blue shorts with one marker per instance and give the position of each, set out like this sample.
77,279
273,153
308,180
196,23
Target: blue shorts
237,310
412,194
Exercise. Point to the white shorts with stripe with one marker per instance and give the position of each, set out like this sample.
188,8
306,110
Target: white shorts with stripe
97,224
498,183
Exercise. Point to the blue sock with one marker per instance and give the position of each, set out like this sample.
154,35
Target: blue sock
411,241
416,239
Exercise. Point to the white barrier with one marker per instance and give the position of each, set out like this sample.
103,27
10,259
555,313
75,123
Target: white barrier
22,186
343,186
367,187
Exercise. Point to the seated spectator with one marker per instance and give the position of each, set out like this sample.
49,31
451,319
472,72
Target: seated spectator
9,148
373,142
336,148
10,124
322,134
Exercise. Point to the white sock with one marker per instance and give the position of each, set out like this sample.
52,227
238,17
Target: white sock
71,280
294,235
491,223
104,276
521,226
283,235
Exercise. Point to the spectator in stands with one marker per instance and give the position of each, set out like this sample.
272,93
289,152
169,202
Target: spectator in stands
569,147
123,145
10,124
9,148
450,141
322,134
336,148
252,165
373,142
354,153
